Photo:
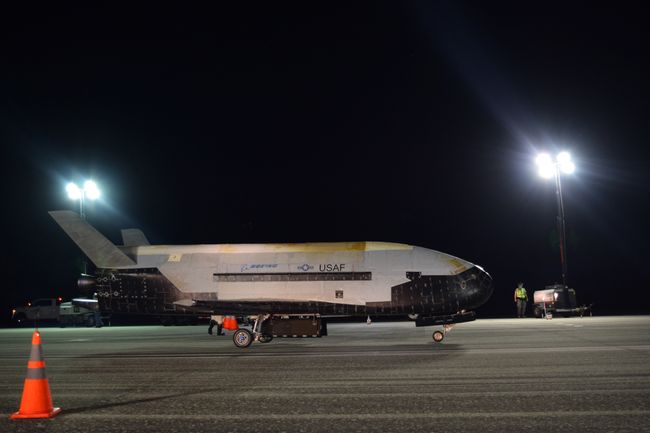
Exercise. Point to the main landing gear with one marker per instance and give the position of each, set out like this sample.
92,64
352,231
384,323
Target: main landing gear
244,338
267,327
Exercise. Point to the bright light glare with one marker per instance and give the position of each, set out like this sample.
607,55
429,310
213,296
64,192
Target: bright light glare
563,157
73,191
564,161
545,172
568,167
91,190
545,165
543,159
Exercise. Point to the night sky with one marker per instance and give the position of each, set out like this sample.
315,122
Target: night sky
405,122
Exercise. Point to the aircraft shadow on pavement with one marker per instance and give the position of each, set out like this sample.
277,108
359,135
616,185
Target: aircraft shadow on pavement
450,349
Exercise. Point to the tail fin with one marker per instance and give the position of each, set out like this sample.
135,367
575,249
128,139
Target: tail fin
99,250
134,238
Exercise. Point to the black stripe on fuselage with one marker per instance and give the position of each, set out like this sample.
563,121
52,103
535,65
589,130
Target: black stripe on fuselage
293,276
147,291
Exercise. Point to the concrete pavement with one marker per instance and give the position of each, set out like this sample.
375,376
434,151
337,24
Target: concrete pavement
578,374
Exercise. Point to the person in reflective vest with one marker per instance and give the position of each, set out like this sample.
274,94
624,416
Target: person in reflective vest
521,298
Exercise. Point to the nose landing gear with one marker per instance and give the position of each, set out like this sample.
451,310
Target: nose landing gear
438,336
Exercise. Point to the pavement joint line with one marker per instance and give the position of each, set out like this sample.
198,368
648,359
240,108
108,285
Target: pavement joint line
424,352
256,393
532,393
351,416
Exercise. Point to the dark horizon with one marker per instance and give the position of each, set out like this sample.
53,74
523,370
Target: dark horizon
408,122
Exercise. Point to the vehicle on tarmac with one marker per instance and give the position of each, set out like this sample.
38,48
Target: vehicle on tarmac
284,290
551,301
53,310
45,309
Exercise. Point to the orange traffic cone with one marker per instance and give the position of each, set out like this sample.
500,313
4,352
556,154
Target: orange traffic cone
230,323
37,400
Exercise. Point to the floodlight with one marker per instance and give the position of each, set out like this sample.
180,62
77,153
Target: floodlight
73,191
545,165
91,190
564,162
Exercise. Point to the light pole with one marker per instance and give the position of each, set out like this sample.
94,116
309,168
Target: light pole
89,190
547,168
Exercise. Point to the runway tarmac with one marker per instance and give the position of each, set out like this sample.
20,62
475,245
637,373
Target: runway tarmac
497,375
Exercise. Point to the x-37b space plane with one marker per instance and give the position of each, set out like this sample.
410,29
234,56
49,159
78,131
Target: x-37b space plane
285,290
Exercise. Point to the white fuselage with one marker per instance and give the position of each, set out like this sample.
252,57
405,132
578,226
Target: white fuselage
361,272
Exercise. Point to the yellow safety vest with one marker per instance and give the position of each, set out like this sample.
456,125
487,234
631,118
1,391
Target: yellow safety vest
521,293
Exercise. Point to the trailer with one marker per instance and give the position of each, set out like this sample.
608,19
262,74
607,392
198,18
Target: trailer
551,301
78,312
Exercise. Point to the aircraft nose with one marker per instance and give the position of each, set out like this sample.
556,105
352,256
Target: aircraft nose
478,288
